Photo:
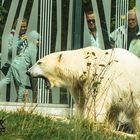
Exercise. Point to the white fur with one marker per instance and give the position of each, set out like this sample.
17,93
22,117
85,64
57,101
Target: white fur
118,91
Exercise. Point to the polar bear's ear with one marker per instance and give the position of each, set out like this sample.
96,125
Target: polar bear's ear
59,57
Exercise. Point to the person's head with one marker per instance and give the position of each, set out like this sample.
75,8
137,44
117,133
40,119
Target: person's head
34,37
132,19
90,16
23,27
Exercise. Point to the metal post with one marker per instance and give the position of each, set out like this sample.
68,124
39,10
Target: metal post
78,23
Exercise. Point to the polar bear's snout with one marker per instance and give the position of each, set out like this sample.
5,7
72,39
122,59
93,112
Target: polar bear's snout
36,72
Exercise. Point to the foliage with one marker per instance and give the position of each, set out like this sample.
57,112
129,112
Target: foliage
3,12
28,126
131,4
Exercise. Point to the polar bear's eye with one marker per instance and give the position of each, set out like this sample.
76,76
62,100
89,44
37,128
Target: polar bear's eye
39,63
59,57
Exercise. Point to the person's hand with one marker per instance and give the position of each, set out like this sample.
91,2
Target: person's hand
23,37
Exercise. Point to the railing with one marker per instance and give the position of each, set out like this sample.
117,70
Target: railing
62,27
53,20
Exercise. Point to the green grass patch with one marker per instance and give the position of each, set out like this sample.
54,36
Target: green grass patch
22,125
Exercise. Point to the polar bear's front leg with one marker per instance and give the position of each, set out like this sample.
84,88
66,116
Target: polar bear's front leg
101,112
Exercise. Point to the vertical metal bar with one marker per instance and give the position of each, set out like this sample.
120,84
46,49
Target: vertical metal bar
45,40
98,24
40,51
50,26
77,24
33,20
107,10
69,37
49,17
56,91
138,12
59,23
2,2
104,30
7,29
69,47
116,21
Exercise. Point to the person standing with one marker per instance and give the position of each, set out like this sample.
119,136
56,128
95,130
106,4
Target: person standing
90,17
94,35
21,39
135,45
15,44
123,35
21,63
20,42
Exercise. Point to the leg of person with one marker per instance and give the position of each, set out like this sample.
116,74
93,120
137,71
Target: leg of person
20,80
21,93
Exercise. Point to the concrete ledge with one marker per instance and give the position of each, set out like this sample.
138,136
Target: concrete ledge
61,110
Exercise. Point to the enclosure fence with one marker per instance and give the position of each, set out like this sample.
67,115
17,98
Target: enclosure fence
62,26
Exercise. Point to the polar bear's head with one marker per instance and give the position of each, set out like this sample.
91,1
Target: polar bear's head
60,68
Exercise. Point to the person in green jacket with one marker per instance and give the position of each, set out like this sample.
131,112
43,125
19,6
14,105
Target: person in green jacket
135,45
21,63
21,39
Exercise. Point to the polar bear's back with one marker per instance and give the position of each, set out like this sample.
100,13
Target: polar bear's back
121,55
125,68
127,61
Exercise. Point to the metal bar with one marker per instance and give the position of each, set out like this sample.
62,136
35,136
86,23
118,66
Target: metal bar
77,24
59,25
138,12
7,30
69,37
98,24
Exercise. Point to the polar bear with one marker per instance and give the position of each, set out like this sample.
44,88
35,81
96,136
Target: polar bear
103,83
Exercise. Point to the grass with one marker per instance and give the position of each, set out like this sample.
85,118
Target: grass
22,125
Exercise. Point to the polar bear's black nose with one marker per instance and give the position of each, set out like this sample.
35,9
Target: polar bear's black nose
28,73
